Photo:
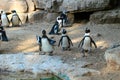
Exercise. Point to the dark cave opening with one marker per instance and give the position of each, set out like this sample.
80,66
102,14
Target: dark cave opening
82,17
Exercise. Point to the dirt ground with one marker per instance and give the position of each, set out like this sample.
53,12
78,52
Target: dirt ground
23,40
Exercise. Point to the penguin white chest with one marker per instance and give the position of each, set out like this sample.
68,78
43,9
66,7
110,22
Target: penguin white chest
15,20
86,44
4,20
46,47
65,42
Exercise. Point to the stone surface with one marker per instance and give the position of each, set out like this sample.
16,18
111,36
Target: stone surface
85,5
112,57
35,63
75,5
31,5
53,7
18,5
70,19
51,17
110,16
36,16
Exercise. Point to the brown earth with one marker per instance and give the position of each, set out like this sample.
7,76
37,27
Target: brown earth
23,39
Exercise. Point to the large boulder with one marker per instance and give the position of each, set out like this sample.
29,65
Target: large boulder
110,16
51,17
31,6
75,5
112,57
18,5
36,16
41,4
86,5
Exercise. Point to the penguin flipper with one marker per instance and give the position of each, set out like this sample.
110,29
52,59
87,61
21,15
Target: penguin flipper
60,41
69,41
81,43
38,39
52,42
93,42
19,19
8,20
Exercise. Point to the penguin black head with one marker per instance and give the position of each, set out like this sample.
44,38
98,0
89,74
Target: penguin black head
1,11
13,11
44,32
87,30
64,31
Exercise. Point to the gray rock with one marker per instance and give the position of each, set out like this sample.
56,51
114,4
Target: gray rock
74,5
51,17
18,5
110,16
112,57
36,16
85,5
36,63
31,5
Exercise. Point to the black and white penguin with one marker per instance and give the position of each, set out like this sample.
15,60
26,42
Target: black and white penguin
64,18
86,43
65,41
15,20
46,44
55,29
4,19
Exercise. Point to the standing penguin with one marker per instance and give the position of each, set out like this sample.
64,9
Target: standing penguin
63,16
15,20
4,19
46,44
86,43
65,41
55,29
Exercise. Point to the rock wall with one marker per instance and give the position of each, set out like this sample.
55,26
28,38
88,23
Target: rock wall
112,57
109,16
54,7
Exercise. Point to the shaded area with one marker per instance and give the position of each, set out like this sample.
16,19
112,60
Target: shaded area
82,16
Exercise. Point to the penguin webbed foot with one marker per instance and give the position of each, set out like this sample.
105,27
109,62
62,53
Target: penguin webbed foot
51,53
63,49
42,53
69,49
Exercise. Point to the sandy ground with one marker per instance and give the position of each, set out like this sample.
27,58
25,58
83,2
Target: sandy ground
23,39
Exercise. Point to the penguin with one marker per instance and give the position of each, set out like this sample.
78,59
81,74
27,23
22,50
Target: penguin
63,17
86,43
55,29
65,41
15,20
46,44
3,34
4,19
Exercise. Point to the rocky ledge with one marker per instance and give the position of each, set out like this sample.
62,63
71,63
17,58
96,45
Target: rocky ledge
35,63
